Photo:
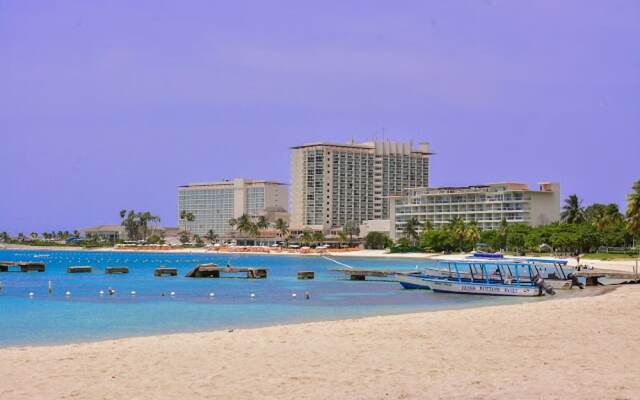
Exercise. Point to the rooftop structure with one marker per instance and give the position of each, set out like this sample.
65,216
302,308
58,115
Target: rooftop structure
214,204
486,205
332,184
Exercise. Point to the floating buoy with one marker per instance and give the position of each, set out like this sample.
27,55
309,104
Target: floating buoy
67,293
212,294
293,295
101,292
30,294
172,293
252,295
133,292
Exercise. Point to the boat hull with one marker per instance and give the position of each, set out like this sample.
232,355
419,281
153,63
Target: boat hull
412,282
447,286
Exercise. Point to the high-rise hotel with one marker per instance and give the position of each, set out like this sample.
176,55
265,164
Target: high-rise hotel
214,204
332,184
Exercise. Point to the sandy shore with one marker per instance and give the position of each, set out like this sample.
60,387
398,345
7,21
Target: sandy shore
575,348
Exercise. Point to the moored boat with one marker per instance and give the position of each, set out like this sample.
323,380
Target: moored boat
497,278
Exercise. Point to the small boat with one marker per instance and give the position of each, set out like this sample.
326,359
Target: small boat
508,279
484,254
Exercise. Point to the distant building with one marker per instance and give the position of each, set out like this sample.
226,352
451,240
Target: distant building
214,204
487,205
375,225
110,233
332,184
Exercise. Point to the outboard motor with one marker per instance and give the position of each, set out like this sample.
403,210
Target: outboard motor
539,282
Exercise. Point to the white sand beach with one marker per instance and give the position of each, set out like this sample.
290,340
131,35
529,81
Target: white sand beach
574,348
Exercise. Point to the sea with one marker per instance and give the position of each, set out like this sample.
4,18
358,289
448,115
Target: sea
76,311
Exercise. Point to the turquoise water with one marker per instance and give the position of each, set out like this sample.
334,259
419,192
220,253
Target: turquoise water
85,315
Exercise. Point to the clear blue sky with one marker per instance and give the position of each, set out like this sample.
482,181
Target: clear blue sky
110,105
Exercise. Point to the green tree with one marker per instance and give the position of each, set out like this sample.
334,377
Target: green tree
211,236
377,240
262,223
572,211
306,238
633,210
352,229
343,237
410,230
246,226
282,227
184,237
318,237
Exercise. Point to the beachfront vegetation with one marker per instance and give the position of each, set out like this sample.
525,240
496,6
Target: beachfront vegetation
580,231
137,224
377,241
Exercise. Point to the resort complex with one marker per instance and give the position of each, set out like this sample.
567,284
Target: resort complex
486,205
335,184
210,206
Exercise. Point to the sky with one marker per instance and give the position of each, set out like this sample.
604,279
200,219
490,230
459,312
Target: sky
112,105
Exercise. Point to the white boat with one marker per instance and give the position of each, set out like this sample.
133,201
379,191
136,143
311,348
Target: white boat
465,277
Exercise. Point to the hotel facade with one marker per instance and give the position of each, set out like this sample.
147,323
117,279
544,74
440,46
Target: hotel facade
214,204
486,205
332,184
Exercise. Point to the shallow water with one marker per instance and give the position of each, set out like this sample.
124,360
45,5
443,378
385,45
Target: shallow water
86,316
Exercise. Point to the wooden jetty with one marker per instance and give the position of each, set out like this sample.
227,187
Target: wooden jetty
25,266
79,269
306,275
362,274
592,276
117,270
160,271
215,271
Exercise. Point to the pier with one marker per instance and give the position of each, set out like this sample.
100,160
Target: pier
161,271
592,276
27,266
362,274
215,271
306,275
117,270
79,269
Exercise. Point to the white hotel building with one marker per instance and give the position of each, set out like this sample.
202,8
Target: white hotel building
332,184
214,204
487,205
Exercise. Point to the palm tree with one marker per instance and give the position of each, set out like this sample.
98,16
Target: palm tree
573,212
410,229
307,237
246,226
282,227
343,237
211,236
352,229
318,237
233,222
472,233
459,231
262,222
4,236
34,235
633,210
427,226
503,233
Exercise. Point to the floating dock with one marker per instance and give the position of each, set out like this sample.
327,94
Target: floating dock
79,269
306,275
215,271
592,276
117,270
362,274
25,266
161,271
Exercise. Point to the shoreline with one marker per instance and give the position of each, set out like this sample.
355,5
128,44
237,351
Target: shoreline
623,265
457,353
509,301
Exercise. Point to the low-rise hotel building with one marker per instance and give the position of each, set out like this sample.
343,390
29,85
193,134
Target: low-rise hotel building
214,204
333,184
487,205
